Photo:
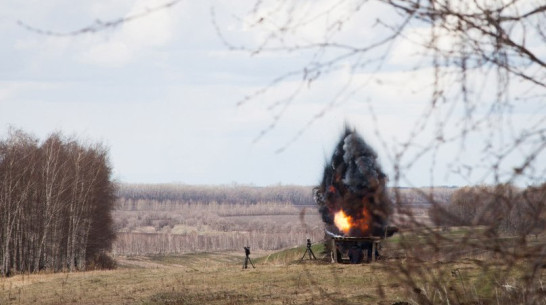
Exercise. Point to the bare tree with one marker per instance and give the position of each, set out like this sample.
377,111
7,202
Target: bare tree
16,157
483,58
55,204
481,62
485,72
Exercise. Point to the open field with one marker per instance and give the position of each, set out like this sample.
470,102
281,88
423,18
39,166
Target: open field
279,278
177,219
221,227
189,228
205,279
176,252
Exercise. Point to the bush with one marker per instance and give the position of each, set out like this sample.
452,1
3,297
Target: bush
102,261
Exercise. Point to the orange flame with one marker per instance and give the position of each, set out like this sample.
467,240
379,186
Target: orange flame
342,221
345,222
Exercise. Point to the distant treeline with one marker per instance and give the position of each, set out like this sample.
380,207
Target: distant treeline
137,196
236,194
56,199
421,196
503,208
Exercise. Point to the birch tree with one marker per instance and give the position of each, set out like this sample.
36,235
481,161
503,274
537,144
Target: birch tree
55,204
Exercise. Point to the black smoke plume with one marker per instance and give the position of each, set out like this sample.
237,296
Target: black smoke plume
354,183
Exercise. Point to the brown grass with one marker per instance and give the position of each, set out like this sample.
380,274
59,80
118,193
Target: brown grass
217,278
203,281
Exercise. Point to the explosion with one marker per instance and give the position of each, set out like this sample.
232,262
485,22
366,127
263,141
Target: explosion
352,198
342,221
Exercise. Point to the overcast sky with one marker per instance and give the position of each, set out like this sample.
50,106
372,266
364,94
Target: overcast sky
162,91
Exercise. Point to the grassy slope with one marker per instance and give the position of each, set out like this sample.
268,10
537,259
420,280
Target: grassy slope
209,278
217,278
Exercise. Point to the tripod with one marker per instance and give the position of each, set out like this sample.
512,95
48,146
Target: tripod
247,258
308,251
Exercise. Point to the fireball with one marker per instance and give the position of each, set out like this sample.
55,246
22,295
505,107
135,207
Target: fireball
346,222
342,221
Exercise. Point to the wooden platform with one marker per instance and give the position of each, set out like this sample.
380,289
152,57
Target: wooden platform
374,240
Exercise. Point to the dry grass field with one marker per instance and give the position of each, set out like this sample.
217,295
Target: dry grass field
279,278
192,254
203,279
208,278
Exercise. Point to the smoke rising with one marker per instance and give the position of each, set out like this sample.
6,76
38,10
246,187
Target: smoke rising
353,190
